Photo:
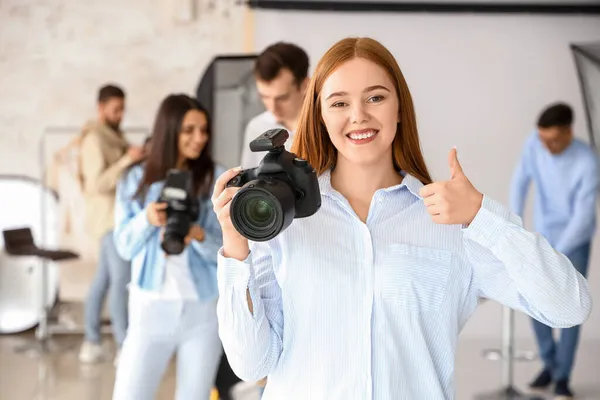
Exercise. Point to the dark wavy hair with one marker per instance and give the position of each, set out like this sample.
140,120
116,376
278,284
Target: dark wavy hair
164,150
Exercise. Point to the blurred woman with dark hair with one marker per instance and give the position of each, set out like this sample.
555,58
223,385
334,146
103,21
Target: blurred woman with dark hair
173,297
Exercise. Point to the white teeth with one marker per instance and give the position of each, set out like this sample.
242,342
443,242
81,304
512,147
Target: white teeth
361,136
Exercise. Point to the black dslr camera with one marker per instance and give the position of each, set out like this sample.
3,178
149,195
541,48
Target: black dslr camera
183,209
281,188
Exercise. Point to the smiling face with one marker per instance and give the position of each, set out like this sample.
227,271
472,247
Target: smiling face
360,108
193,135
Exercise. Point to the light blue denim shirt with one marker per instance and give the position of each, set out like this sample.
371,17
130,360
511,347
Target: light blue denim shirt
139,241
346,310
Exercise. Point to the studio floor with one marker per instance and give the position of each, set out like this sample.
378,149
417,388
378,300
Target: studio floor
60,376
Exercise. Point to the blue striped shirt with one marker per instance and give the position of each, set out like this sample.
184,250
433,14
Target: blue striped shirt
349,310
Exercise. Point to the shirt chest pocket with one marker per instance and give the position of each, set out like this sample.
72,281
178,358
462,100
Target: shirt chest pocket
415,278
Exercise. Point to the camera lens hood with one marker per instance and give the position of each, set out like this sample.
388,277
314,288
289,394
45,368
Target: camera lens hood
172,243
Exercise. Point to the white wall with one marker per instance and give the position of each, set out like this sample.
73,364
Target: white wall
55,55
478,82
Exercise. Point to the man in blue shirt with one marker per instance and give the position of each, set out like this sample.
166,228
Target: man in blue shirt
565,174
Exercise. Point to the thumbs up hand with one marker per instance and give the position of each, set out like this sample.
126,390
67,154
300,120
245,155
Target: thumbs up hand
455,201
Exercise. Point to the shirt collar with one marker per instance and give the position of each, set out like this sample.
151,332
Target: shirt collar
409,182
412,184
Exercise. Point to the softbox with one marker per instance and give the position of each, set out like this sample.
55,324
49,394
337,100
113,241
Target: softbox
228,90
587,60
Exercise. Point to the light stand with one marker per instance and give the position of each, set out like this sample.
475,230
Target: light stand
507,355
43,342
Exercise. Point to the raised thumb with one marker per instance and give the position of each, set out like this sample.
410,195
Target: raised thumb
455,167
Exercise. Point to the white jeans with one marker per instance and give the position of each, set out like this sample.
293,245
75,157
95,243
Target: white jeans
159,328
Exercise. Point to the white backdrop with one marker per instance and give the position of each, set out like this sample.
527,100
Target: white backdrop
478,81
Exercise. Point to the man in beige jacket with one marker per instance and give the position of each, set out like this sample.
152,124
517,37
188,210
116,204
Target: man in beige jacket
104,156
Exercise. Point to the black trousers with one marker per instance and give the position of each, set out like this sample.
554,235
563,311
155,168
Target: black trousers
226,379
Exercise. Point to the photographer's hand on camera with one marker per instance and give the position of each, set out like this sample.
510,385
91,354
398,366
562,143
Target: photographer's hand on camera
157,214
196,233
234,244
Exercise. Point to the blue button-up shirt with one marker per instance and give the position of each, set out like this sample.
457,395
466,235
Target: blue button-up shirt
139,241
566,188
349,310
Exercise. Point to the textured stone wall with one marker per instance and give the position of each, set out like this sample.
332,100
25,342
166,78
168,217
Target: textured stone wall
54,54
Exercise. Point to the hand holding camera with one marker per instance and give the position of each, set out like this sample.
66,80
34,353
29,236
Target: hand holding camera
234,244
195,233
259,203
157,214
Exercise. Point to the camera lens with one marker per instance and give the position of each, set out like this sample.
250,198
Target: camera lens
260,212
173,244
262,209
176,229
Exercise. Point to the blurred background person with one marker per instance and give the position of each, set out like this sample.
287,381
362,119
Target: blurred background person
104,156
281,73
172,297
564,171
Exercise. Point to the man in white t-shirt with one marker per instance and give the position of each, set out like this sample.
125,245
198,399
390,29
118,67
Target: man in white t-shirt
281,73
